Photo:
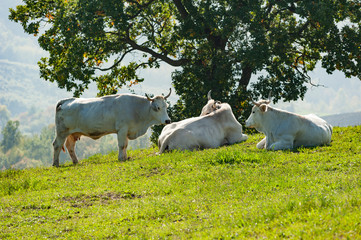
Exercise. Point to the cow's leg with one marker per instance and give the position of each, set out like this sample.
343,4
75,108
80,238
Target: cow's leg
262,143
235,137
285,143
58,145
122,145
70,145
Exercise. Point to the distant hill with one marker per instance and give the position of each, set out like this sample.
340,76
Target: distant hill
29,98
344,119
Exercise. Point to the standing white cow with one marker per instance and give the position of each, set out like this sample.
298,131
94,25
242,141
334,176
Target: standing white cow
215,129
286,130
127,115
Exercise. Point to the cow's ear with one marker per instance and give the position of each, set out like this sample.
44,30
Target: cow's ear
218,104
263,107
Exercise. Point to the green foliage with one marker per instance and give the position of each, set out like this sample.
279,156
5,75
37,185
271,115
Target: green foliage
11,135
30,151
218,45
34,119
235,191
39,147
4,115
4,161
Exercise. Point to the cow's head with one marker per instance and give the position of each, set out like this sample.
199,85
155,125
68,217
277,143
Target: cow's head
158,107
259,109
211,105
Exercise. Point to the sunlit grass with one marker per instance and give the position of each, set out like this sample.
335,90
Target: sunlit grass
234,191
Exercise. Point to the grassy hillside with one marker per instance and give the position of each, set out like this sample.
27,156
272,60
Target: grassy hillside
232,192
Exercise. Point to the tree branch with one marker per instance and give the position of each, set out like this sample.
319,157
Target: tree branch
175,63
183,12
141,64
306,76
116,63
303,28
141,8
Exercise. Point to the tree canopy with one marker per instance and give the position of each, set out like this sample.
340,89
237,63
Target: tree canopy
4,115
11,135
217,45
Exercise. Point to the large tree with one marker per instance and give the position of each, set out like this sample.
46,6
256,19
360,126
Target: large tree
217,45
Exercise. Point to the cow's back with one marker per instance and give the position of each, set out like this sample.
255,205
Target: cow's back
170,128
207,130
193,133
313,131
96,116
180,139
232,129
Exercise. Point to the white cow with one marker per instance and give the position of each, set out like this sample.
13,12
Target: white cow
215,129
211,106
286,130
127,115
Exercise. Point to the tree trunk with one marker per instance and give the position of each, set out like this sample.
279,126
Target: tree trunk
246,77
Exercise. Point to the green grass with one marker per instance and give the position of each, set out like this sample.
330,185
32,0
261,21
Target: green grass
235,191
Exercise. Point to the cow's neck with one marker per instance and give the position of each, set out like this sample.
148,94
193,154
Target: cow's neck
272,119
141,125
150,122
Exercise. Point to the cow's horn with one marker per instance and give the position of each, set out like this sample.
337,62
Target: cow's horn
256,104
209,95
149,99
269,97
170,91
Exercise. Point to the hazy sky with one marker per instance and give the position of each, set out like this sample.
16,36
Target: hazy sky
338,96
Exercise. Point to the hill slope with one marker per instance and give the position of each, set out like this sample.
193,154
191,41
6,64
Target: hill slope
344,119
232,192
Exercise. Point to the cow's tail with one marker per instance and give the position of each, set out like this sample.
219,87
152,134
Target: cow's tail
57,109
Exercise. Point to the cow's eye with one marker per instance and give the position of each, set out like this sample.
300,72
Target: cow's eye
253,112
158,108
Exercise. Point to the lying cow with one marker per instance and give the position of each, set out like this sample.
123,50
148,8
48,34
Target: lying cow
215,129
127,115
211,106
285,130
